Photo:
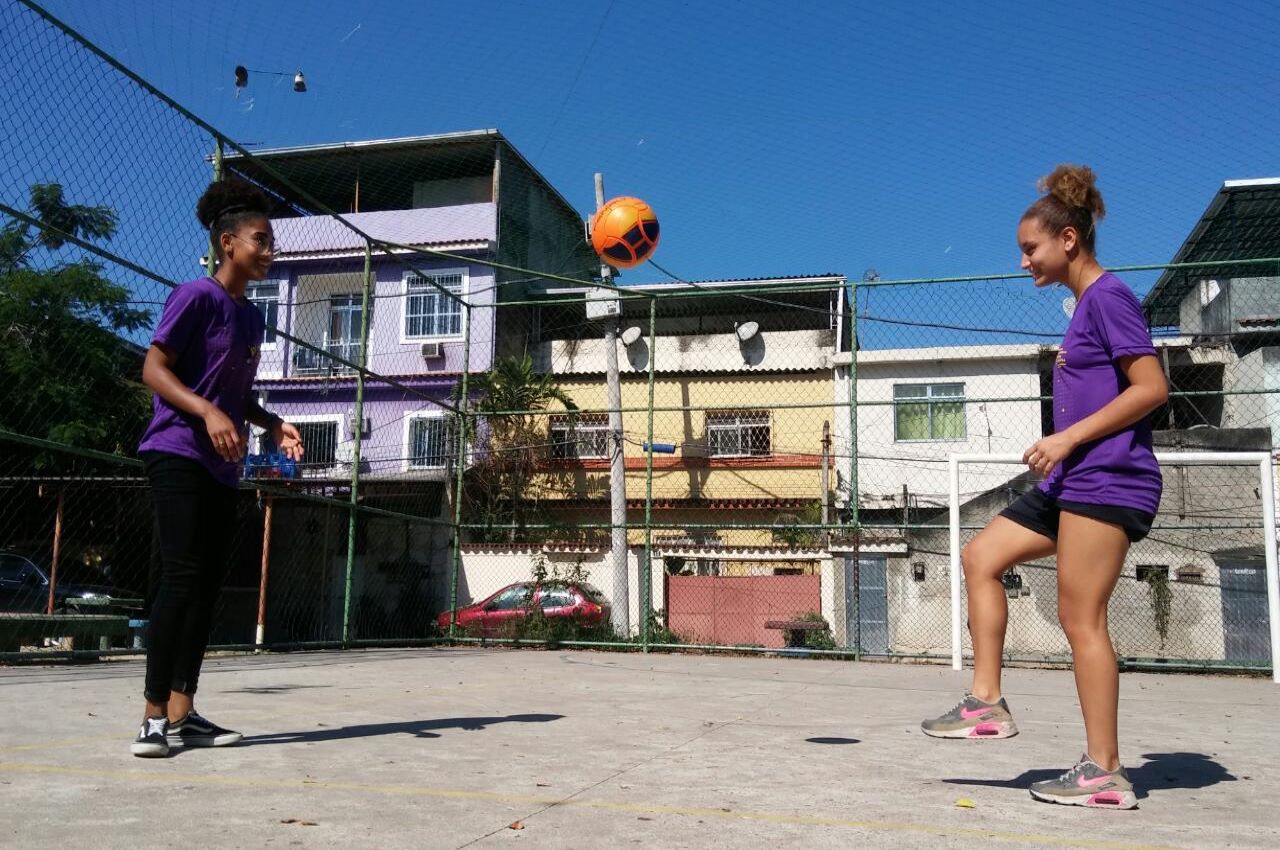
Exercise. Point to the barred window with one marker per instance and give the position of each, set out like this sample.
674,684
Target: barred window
428,312
430,442
321,440
345,316
738,433
587,438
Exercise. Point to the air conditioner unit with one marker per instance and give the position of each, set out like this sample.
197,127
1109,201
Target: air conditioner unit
352,422
432,350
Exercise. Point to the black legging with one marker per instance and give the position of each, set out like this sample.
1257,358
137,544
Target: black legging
195,524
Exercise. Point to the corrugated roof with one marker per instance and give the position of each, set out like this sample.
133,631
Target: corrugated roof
465,144
1242,222
374,144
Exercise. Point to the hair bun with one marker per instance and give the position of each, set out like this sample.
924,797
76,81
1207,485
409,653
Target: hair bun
1075,186
230,197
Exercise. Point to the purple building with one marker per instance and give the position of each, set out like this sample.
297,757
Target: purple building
470,194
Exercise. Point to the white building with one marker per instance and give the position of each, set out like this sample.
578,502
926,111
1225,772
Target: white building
917,406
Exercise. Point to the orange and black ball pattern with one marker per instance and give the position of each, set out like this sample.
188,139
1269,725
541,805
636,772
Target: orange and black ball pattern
624,232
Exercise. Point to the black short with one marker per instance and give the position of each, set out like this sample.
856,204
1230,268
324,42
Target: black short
1040,513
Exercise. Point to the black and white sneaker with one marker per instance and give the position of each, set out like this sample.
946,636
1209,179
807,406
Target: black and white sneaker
194,731
152,740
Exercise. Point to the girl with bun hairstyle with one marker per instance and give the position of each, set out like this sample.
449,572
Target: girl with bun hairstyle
201,366
1100,491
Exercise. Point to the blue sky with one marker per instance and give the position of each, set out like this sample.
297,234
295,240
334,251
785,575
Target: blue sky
772,138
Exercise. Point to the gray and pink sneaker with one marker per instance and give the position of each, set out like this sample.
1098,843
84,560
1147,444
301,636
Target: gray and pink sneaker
1088,784
973,718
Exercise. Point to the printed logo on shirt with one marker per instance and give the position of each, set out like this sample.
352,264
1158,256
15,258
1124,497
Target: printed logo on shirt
1061,361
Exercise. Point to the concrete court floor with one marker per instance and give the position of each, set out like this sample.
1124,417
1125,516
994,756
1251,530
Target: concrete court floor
453,748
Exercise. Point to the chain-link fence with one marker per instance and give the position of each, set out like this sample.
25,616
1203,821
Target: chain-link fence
502,445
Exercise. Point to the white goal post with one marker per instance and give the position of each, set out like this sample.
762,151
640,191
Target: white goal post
1266,475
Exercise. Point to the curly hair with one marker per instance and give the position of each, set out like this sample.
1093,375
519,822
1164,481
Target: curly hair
1071,199
226,204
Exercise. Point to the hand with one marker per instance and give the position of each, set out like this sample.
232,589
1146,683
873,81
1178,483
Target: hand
288,438
225,436
1049,452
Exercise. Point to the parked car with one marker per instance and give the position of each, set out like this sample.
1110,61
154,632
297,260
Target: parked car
498,614
24,584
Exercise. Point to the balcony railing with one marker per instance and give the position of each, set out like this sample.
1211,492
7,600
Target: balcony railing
307,361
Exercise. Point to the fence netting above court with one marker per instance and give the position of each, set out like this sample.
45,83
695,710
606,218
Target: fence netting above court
771,452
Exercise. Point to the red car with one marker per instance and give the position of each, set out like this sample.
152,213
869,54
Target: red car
496,615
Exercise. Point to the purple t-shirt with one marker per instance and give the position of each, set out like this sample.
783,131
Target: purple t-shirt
217,340
1119,469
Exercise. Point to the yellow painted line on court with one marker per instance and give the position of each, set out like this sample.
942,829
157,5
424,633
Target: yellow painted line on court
604,805
65,742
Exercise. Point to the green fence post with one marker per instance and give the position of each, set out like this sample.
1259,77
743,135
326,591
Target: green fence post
460,462
357,439
210,261
853,471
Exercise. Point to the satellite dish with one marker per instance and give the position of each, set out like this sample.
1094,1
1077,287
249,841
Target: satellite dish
746,330
1069,306
630,335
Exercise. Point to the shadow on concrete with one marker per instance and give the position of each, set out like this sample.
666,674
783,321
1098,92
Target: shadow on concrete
416,728
1160,772
274,689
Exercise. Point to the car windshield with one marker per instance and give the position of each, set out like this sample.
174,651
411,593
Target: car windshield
12,567
69,571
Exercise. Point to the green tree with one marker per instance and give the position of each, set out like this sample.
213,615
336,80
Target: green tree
788,527
510,443
66,374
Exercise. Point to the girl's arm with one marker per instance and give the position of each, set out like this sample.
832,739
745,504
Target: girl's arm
260,416
284,435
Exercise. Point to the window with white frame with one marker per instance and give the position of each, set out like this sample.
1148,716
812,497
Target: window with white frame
265,295
928,412
584,439
430,442
321,442
738,433
428,312
346,312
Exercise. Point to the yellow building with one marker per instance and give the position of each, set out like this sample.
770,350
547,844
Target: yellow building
738,412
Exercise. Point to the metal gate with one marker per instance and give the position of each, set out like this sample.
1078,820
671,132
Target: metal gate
866,593
1244,610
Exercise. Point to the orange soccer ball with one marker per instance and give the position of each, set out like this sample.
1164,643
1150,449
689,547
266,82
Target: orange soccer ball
624,232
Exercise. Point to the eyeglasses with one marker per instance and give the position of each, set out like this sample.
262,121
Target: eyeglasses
265,244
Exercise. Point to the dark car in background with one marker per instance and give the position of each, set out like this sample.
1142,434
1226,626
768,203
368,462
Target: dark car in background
499,614
24,585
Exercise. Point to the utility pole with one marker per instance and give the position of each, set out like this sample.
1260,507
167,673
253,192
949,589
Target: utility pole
621,600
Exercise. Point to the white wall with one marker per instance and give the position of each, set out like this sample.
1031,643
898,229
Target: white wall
989,373
489,569
803,349
486,570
